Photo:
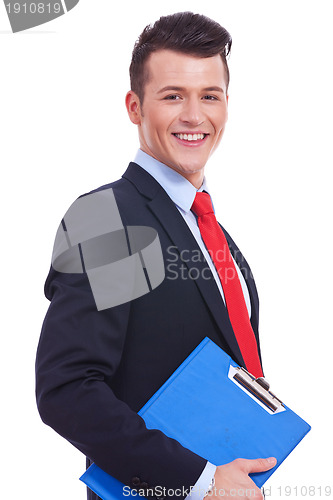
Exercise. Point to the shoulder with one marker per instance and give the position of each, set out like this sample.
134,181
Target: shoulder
135,187
119,188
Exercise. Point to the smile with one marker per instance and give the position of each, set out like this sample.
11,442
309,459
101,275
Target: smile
190,137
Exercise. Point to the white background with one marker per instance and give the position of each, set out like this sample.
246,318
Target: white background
64,131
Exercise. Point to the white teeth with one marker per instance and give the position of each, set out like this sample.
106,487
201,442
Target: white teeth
190,137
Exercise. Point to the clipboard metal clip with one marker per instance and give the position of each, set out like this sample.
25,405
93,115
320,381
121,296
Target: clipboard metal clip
257,387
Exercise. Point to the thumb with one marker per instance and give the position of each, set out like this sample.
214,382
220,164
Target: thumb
261,464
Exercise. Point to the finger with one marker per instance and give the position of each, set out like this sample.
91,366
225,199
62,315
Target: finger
260,464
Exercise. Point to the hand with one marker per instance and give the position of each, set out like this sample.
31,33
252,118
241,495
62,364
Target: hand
232,480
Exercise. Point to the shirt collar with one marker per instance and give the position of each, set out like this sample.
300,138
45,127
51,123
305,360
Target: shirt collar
179,189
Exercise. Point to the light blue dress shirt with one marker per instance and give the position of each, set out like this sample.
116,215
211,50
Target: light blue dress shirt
182,193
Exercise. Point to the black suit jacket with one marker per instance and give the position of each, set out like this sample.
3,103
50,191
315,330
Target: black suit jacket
96,369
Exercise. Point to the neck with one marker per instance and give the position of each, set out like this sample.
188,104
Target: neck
195,178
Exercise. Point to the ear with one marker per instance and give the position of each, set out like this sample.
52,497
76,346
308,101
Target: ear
133,107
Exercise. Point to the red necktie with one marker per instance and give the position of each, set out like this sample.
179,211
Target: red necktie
217,246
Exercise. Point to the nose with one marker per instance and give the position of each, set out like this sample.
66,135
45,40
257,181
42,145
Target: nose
191,113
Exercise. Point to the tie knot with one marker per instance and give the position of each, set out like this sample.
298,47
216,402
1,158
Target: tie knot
202,204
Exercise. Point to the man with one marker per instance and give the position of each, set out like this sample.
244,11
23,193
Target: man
97,366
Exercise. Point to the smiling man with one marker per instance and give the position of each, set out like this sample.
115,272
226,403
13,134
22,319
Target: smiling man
97,368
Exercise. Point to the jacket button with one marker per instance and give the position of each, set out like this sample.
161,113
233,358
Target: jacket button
136,481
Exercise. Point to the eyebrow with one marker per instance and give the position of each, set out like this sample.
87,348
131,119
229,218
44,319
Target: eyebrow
181,89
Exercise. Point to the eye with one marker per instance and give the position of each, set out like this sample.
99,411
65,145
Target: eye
210,98
172,97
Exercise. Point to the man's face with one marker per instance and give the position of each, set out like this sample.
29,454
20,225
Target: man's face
184,111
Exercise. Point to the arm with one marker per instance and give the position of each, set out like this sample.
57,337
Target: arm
79,352
201,487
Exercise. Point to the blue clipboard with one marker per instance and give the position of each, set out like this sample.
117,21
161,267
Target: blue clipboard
244,423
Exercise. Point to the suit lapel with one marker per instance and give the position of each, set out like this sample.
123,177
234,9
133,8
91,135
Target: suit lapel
179,233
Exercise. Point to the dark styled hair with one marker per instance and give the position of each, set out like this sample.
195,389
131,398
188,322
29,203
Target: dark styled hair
185,32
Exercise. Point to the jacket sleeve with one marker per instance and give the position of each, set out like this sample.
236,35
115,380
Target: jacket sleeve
79,351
